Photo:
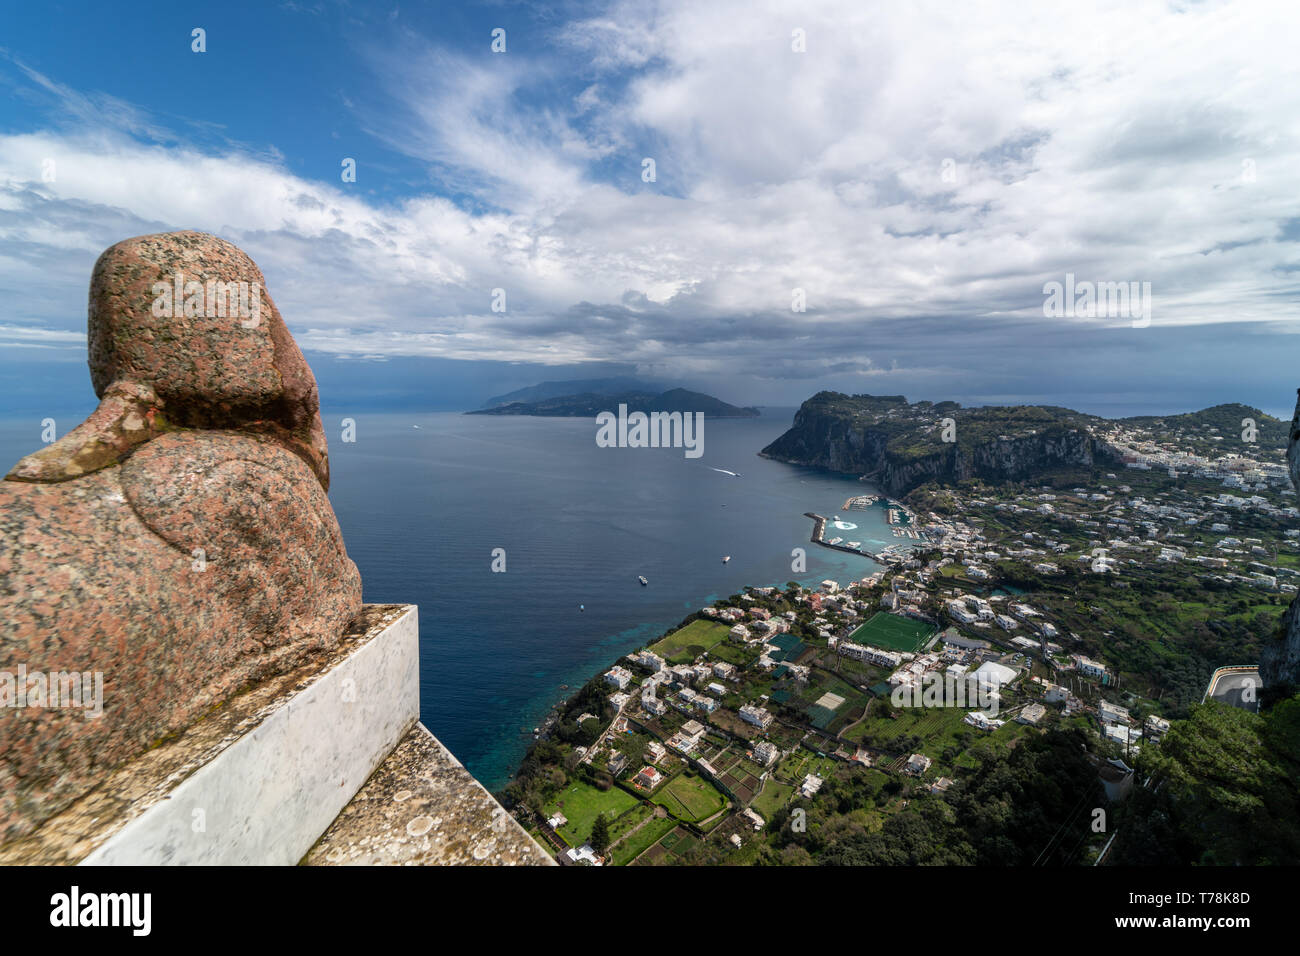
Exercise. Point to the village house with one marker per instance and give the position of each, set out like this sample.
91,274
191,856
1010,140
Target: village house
758,716
648,777
618,677
766,753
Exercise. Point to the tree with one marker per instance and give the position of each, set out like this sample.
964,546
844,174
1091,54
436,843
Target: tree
600,835
1227,790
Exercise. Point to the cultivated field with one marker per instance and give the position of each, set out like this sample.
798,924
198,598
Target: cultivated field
689,798
690,641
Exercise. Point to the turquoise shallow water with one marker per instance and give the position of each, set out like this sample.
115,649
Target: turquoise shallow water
423,508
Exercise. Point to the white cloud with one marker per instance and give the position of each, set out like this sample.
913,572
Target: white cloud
1145,142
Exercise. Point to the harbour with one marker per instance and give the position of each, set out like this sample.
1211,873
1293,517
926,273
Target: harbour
890,555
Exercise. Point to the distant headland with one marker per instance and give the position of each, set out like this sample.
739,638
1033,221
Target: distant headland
589,404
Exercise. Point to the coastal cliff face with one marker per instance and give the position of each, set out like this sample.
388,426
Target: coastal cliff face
900,446
1279,661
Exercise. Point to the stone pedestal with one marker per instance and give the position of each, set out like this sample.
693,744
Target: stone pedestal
262,778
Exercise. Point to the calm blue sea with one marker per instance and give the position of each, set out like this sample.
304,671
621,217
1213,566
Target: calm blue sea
422,509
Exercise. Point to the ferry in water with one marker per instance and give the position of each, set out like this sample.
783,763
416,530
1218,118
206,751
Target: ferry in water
641,578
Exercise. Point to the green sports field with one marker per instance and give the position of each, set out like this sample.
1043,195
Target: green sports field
892,633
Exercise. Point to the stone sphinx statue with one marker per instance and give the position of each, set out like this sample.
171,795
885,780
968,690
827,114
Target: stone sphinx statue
176,546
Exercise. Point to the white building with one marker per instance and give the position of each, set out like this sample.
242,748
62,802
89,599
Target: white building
647,658
583,854
618,677
758,716
648,777
982,721
872,655
959,612
991,675
1157,725
1032,714
1090,667
1113,713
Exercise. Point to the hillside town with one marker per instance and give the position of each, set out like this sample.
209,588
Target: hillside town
1018,608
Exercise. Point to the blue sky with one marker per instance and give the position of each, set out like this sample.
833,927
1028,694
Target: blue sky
920,171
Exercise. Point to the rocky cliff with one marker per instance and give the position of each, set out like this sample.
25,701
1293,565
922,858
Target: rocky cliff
900,445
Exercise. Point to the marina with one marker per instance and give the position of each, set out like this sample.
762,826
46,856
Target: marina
890,555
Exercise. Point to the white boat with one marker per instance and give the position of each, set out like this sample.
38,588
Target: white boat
726,559
641,578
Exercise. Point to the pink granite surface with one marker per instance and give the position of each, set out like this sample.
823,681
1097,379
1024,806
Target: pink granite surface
179,542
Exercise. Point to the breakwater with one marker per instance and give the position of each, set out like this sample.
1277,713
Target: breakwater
887,556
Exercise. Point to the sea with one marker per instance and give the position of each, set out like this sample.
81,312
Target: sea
430,503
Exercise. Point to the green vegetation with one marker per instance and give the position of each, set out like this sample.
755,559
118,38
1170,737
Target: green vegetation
1223,786
876,434
581,803
1224,789
640,841
689,797
892,632
599,838
772,797
1027,805
1194,430
689,642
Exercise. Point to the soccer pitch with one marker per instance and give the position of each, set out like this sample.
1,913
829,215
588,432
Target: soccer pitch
892,633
